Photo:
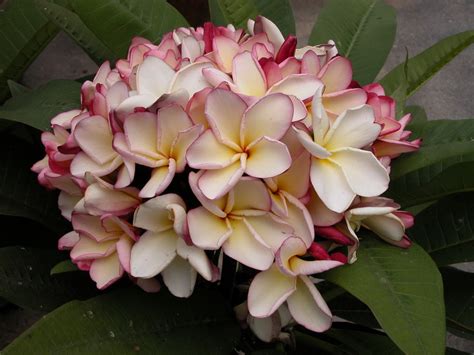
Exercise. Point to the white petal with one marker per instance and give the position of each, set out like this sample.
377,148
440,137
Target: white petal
191,78
154,77
331,185
364,173
207,231
152,253
248,75
268,290
308,307
267,158
179,277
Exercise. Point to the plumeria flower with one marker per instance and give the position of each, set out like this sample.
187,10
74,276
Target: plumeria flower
159,141
156,78
382,216
100,245
163,250
97,156
249,80
241,140
340,168
239,222
286,281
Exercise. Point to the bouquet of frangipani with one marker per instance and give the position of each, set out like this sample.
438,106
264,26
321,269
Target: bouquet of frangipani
219,143
227,188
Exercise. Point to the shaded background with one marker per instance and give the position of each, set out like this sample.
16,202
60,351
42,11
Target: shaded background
421,23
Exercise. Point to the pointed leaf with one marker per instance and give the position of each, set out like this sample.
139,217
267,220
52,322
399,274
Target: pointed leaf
444,141
24,32
355,25
70,23
129,320
458,292
37,107
425,65
116,22
404,290
445,229
26,282
16,89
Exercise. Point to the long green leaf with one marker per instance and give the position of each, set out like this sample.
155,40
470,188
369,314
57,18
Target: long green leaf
350,308
24,32
446,141
364,31
433,182
458,293
238,12
130,320
425,65
20,193
404,290
25,279
116,22
445,229
70,23
36,108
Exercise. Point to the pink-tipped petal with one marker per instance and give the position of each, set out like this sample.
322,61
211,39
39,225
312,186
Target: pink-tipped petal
248,75
271,116
303,86
267,158
340,101
308,307
216,183
105,271
152,253
160,179
224,111
336,74
268,290
207,231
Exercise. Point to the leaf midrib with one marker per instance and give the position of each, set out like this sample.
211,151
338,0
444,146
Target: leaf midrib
360,28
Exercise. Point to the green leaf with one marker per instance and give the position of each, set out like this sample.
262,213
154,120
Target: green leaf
346,339
217,17
445,229
26,282
16,89
458,294
116,22
129,320
364,31
350,308
444,141
70,23
20,193
63,266
238,12
24,32
403,289
36,108
425,65
418,115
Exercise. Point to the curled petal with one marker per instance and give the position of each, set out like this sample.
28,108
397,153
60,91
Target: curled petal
268,290
160,179
308,307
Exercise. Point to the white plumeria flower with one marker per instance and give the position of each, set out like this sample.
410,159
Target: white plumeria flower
241,140
155,78
239,222
340,168
159,141
162,249
286,281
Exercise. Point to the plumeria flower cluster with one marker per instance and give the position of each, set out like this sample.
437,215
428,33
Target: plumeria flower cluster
219,143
